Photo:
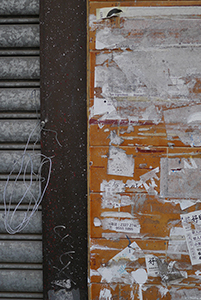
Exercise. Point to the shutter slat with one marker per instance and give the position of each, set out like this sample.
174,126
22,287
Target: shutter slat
17,68
20,190
19,130
21,296
9,158
20,99
21,280
20,252
19,7
19,36
34,226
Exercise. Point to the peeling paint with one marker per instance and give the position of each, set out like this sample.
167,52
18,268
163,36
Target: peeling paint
105,294
115,139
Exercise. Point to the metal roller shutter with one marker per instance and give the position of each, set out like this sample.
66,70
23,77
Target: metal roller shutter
20,253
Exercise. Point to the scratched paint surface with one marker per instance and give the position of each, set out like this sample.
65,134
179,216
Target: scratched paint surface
144,152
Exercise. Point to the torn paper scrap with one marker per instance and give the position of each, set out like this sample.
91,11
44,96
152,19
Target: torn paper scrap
126,225
119,163
180,177
168,272
192,226
177,243
151,265
131,252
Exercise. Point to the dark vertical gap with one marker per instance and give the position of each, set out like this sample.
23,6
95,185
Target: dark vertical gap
63,108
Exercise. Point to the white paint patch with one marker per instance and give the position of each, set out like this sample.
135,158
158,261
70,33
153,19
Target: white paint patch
105,294
126,225
132,295
115,273
94,273
180,178
163,291
151,265
117,214
65,283
119,163
115,139
92,22
100,247
140,276
97,222
193,236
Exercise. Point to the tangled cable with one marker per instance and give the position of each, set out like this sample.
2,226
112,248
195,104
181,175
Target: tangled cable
26,165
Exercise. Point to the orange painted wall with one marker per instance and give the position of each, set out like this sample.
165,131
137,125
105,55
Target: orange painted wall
144,150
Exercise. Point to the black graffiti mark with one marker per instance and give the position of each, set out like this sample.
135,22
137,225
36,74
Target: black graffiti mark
129,242
65,259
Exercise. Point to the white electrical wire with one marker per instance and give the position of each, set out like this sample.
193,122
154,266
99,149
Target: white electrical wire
26,162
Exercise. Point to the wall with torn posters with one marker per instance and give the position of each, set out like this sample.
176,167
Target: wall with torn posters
144,150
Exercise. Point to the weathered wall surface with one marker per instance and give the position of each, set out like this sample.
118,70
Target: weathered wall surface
144,147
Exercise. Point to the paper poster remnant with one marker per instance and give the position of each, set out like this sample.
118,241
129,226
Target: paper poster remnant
125,225
132,252
115,269
105,294
184,293
150,176
168,272
180,177
192,225
119,163
177,243
147,12
103,106
111,187
148,73
185,123
151,265
111,190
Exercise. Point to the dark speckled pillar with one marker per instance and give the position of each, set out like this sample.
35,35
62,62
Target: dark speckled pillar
63,109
